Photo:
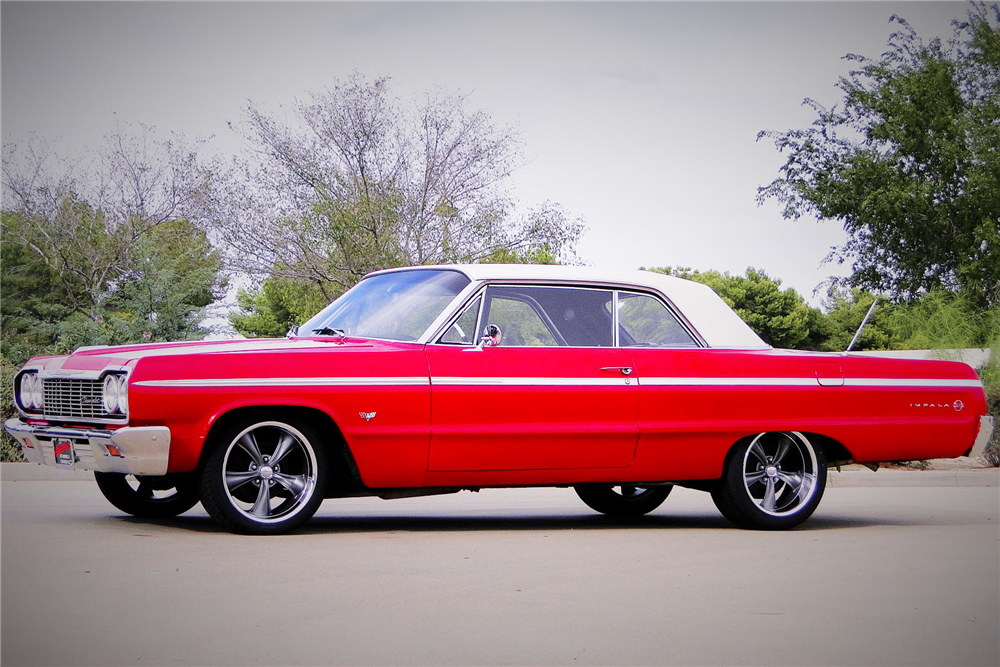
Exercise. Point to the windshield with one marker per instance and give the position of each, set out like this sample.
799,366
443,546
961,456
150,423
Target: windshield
391,306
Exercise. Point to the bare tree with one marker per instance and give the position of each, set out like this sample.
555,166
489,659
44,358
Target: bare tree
355,181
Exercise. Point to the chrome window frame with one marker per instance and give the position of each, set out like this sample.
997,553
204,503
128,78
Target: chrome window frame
478,296
532,303
441,325
450,313
697,343
615,340
433,326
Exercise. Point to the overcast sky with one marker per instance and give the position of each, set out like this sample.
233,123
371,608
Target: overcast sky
639,117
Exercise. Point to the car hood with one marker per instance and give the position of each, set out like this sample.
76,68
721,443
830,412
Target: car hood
100,357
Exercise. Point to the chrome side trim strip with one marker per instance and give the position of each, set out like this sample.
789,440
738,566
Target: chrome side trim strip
533,382
288,382
804,382
910,382
554,382
392,382
726,382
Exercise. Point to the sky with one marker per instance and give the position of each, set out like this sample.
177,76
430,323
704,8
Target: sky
640,118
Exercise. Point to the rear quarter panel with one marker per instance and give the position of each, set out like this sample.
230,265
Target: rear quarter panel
694,404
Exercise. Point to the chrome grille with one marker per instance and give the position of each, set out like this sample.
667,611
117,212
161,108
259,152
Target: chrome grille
74,398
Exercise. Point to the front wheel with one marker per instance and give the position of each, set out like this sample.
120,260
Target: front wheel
623,500
149,497
264,478
773,481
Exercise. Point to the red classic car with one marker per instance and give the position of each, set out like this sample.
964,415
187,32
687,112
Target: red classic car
437,379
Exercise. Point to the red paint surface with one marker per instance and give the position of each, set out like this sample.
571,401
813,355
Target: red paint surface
439,434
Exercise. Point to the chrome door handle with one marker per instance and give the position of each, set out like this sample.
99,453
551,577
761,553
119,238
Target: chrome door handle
624,370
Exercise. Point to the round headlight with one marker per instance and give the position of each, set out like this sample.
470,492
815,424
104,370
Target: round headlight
37,393
123,394
110,394
26,393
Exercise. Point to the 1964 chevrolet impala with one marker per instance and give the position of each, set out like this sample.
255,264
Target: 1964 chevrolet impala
436,379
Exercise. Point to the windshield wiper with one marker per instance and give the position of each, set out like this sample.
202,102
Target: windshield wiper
327,331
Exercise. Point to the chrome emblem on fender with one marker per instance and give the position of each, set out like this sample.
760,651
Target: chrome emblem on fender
367,416
957,405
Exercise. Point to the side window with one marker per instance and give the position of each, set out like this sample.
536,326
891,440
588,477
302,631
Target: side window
537,316
520,324
463,331
645,322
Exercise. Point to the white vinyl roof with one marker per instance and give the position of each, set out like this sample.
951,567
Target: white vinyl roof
705,310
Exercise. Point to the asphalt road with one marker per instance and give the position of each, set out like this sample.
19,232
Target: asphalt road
879,576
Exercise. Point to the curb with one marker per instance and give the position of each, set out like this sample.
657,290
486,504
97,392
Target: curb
989,477
886,478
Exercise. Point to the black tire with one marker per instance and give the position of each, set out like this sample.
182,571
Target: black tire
773,481
624,499
264,477
149,497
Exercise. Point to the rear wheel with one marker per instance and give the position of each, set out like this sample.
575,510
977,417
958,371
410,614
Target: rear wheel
264,478
773,481
623,500
149,497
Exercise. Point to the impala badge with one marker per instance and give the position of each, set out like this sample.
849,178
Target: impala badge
367,416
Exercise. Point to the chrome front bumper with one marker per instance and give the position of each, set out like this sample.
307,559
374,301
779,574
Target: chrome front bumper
141,450
983,439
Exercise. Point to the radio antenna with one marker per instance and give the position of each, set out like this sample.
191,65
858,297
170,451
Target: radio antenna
862,327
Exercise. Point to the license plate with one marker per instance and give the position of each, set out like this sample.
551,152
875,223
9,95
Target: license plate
63,450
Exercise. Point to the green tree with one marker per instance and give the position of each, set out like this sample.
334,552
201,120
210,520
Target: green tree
75,274
101,257
86,221
943,320
276,306
908,163
175,276
780,317
532,255
161,297
34,300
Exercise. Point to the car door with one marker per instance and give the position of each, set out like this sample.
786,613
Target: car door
677,422
552,393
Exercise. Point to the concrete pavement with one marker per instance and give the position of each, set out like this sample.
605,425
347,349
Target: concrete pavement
878,576
850,478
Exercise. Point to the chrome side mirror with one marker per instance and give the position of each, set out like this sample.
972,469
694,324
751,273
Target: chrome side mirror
491,337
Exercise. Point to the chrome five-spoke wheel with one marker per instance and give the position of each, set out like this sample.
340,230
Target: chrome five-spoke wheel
772,481
264,478
623,499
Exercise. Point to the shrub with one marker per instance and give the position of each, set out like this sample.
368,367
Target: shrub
9,449
991,381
